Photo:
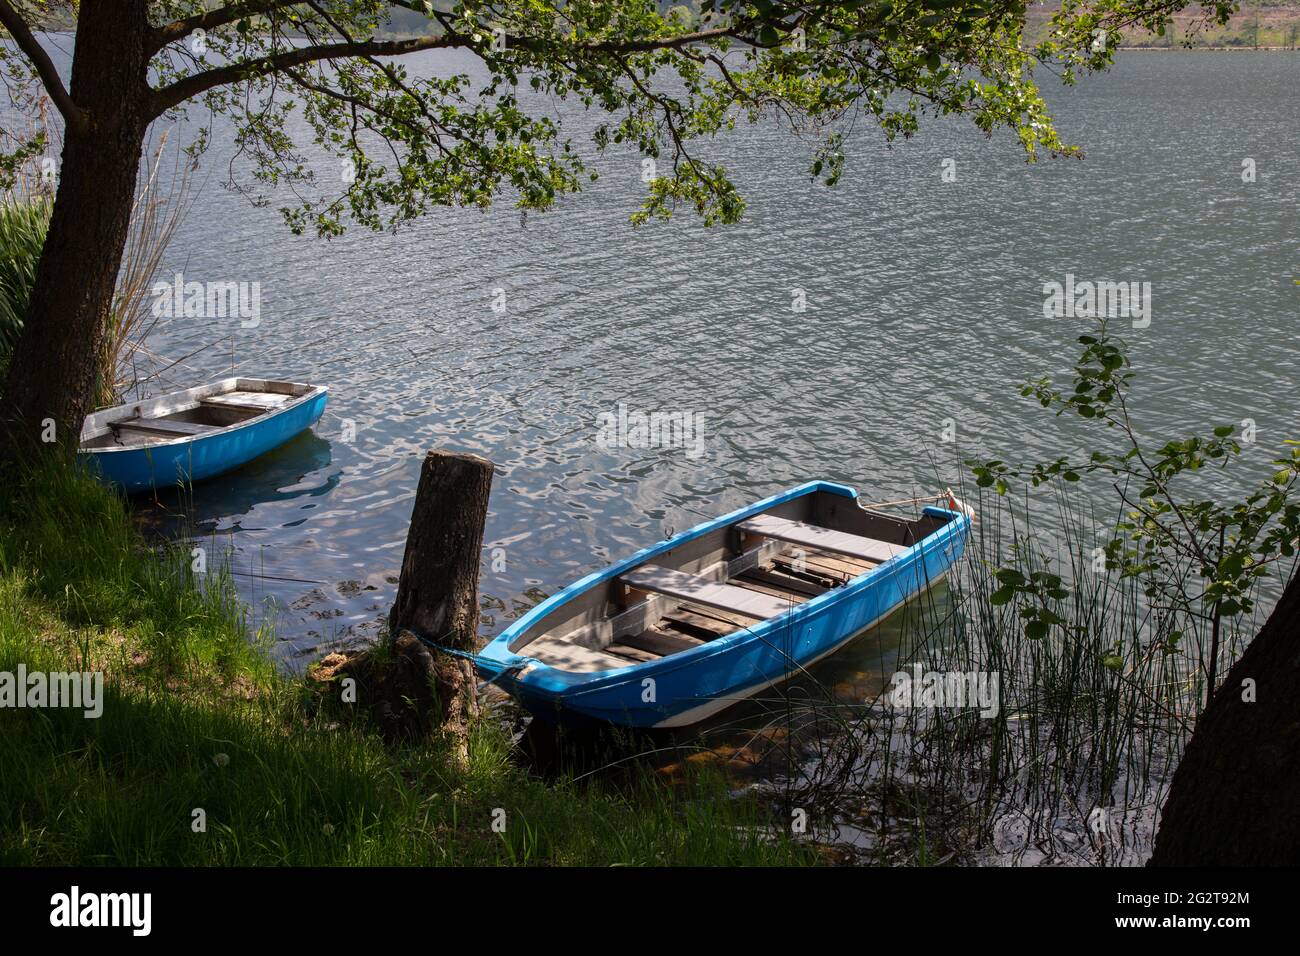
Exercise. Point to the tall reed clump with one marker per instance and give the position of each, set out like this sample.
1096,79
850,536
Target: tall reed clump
23,224
26,202
161,202
1071,763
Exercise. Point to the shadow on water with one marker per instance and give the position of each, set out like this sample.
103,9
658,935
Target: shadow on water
760,739
274,477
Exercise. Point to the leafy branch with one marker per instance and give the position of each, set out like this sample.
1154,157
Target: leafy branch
1192,555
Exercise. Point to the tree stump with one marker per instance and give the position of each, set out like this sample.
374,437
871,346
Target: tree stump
437,593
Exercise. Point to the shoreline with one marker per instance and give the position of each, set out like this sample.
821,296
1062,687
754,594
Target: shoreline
1207,49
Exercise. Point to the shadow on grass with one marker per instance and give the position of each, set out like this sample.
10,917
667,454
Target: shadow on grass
204,755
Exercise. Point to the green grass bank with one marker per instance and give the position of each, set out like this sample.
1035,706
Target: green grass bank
198,725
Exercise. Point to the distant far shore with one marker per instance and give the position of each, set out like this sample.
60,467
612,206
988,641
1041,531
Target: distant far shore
1207,49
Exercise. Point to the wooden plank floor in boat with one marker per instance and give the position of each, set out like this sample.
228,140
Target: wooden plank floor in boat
793,576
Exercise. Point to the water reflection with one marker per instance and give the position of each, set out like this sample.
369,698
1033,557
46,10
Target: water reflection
297,469
766,736
266,524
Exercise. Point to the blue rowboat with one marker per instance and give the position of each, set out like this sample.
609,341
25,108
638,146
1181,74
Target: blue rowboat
194,434
683,629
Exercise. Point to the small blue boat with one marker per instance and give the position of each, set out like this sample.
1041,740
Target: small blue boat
683,629
197,433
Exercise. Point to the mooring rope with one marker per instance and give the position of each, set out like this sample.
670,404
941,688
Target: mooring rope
497,669
948,498
905,501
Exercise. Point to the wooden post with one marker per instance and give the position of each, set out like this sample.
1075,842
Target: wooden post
437,594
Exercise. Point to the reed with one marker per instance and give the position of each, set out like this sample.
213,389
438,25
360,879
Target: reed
26,202
22,234
1090,722
161,202
1105,636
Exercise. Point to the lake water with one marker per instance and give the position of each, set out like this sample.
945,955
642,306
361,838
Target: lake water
924,311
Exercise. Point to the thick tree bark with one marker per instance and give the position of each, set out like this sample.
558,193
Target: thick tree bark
1235,797
437,594
55,367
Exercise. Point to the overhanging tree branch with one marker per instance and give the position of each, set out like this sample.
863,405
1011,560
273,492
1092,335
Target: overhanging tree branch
180,91
73,115
197,83
218,17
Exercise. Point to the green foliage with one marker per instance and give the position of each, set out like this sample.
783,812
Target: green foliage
1195,556
17,153
388,141
658,80
22,235
1085,33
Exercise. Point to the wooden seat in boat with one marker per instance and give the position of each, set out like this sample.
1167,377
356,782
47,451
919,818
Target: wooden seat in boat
698,590
158,426
262,400
822,539
258,403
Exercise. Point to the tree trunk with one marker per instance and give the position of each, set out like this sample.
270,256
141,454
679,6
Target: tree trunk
58,359
437,594
1233,800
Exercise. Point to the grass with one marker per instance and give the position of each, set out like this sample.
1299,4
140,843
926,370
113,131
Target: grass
198,725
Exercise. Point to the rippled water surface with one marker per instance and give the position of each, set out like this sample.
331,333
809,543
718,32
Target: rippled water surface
924,303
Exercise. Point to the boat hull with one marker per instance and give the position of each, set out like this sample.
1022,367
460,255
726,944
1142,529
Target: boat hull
685,688
158,466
